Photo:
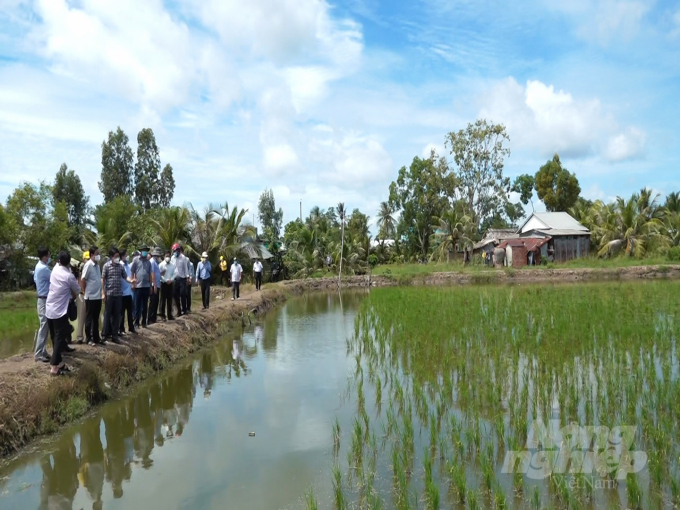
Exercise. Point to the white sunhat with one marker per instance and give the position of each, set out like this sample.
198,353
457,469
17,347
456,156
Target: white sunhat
204,255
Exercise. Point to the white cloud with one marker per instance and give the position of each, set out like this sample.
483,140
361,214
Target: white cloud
675,32
539,117
603,21
280,158
627,145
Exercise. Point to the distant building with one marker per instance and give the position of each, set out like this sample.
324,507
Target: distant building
566,238
492,238
525,251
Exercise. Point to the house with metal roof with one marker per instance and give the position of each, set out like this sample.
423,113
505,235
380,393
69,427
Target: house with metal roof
568,238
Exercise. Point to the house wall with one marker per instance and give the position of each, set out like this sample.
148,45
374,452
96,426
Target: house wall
533,224
519,256
571,247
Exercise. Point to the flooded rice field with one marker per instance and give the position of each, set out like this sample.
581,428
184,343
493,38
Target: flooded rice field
476,397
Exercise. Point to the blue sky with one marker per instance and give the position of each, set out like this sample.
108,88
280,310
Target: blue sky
325,101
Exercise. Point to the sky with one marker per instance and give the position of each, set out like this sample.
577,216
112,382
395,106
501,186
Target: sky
323,102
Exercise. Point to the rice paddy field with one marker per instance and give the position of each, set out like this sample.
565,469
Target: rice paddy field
563,396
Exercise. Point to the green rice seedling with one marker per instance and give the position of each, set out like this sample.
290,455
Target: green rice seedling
310,500
536,499
500,500
336,436
633,491
432,495
675,492
472,499
458,482
339,495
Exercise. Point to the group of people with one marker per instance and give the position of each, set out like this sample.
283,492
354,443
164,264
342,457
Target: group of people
143,289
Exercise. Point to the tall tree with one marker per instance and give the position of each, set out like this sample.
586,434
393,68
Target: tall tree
166,187
269,217
147,170
68,190
556,186
455,230
421,191
524,185
117,166
479,155
387,226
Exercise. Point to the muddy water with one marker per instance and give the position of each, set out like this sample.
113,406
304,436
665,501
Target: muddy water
183,441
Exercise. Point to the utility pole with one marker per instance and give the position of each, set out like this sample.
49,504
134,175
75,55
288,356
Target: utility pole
300,211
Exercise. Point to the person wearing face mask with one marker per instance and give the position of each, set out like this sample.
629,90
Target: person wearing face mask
203,275
155,295
80,332
143,275
128,303
41,276
167,269
91,288
112,292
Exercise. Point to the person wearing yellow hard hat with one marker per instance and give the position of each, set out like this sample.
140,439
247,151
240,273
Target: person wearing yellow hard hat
224,277
80,332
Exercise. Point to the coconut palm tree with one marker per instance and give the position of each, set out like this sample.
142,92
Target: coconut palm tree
634,225
454,230
171,225
236,237
206,231
387,226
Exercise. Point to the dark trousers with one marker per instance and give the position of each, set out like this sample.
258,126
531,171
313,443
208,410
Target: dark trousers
141,304
180,293
154,298
112,314
62,331
224,278
205,292
93,308
127,307
258,280
166,300
188,293
235,289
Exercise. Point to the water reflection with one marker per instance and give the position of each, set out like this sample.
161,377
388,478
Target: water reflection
95,463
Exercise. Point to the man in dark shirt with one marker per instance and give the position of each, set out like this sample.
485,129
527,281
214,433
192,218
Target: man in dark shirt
112,293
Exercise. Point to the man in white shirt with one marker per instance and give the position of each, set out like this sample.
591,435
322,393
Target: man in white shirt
236,273
257,271
167,269
91,287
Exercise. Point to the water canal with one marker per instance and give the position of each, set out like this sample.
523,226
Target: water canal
183,441
405,398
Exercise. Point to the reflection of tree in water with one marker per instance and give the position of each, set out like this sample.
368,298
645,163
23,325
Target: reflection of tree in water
60,476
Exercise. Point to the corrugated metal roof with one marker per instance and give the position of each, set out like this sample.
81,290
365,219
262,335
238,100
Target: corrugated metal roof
565,232
557,220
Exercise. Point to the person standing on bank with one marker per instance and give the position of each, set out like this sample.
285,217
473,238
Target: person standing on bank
128,302
80,331
236,273
113,277
224,273
203,275
143,276
63,288
91,286
181,263
190,281
167,269
156,289
41,276
257,271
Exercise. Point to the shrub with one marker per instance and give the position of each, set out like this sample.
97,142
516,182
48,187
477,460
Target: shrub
674,254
